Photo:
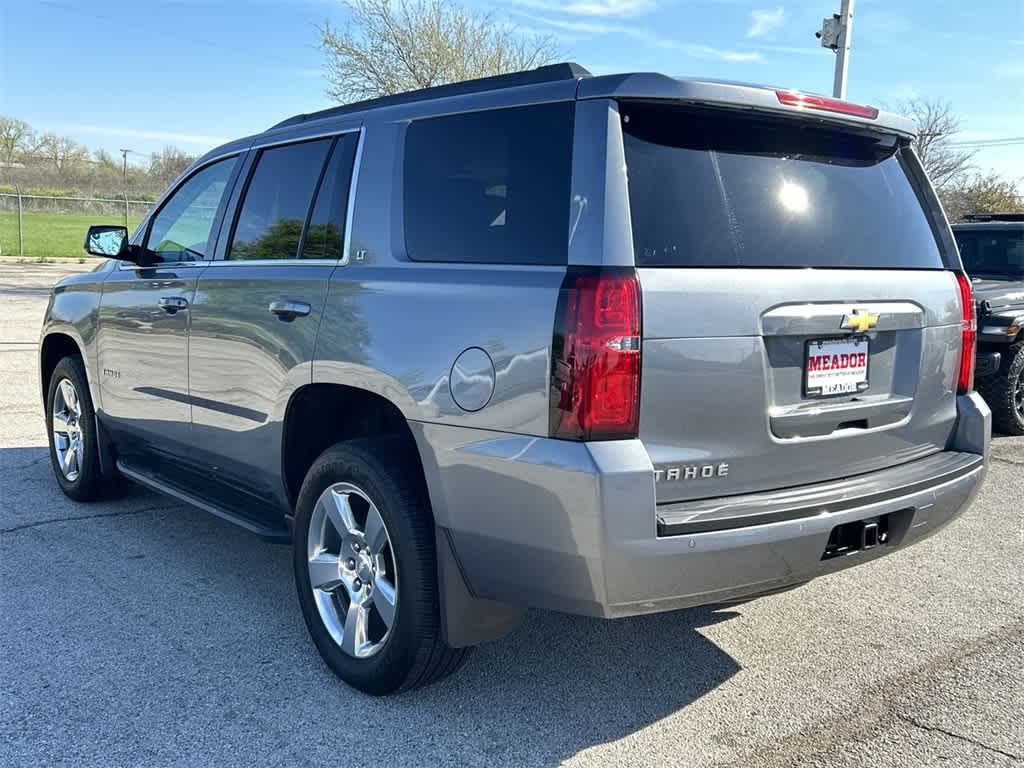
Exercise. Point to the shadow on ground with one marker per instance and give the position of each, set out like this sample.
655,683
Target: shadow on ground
173,635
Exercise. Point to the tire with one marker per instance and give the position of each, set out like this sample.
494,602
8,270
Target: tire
398,569
1004,392
71,424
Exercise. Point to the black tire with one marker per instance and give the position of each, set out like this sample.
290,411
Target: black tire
414,653
1003,390
89,484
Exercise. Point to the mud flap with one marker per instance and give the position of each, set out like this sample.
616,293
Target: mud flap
465,619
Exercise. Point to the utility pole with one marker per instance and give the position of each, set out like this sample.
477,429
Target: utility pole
837,33
124,189
124,165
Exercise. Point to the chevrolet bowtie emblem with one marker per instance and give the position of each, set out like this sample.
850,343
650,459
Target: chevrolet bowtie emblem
859,320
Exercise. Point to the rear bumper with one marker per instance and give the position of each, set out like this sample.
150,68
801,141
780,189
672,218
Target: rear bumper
574,527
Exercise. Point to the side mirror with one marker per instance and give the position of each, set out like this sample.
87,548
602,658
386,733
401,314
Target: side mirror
111,241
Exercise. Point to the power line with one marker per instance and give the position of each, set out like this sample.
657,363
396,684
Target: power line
1005,141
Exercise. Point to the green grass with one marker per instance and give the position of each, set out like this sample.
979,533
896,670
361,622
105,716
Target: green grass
50,234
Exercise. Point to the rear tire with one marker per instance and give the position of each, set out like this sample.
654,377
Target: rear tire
374,613
1004,392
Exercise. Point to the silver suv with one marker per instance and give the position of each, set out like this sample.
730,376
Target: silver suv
605,345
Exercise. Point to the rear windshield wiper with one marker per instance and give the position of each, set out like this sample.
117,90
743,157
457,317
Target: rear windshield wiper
1001,275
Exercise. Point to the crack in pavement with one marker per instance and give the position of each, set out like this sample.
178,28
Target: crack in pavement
53,520
32,463
936,729
1015,462
869,712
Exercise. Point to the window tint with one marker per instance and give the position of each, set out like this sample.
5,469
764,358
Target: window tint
715,189
277,200
490,186
182,229
326,231
992,252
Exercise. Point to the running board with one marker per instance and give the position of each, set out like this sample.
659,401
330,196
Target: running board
275,535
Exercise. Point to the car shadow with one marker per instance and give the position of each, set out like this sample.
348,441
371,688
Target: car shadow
194,623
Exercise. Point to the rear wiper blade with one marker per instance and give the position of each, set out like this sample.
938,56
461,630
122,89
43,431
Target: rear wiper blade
1001,275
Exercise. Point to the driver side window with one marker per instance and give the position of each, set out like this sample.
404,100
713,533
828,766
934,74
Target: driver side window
181,230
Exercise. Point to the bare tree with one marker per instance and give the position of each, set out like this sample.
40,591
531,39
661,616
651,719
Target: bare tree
17,139
63,152
937,125
165,165
391,47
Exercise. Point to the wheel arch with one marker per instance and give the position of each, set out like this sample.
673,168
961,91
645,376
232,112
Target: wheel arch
55,346
320,414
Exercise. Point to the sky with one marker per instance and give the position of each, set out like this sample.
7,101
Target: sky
193,73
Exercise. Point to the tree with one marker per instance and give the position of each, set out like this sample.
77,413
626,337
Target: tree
63,152
981,193
936,126
390,48
17,139
167,164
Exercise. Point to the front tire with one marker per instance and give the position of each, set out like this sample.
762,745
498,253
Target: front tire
1004,392
365,569
71,427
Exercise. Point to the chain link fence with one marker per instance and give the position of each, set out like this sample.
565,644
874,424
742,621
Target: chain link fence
53,226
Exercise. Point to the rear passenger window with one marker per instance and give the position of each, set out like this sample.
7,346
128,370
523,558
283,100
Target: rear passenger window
490,187
326,232
277,200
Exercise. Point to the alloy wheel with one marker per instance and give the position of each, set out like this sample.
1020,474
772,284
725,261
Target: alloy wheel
352,570
1018,396
68,442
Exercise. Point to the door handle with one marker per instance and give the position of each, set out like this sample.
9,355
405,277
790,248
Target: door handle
289,310
172,304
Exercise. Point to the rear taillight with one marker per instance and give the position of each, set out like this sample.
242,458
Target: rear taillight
825,104
965,377
595,362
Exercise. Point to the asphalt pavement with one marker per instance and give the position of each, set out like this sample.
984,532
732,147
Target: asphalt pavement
145,632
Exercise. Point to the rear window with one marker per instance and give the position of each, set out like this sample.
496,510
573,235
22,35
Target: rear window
714,189
992,252
490,187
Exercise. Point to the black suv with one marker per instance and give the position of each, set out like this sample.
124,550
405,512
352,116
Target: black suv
992,248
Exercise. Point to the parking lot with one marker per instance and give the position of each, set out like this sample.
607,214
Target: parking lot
145,632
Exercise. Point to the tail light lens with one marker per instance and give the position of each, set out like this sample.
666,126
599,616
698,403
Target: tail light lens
825,104
595,362
965,377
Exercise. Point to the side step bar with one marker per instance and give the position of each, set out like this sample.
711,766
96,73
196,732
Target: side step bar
274,535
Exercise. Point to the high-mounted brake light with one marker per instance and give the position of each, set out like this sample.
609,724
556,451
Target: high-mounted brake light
595,362
825,104
969,337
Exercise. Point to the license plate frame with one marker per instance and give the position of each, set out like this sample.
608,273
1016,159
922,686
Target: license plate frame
860,343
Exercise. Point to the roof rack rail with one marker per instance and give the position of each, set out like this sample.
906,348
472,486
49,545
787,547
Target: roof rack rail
994,216
546,74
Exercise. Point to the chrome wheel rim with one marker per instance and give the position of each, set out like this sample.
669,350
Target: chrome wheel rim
1018,396
352,570
68,444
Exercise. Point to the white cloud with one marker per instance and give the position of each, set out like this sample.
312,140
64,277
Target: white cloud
811,49
131,133
902,92
592,7
764,22
649,38
1010,69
